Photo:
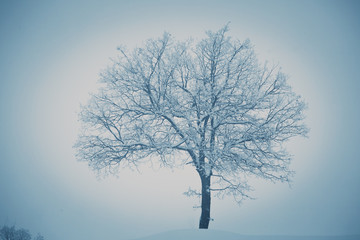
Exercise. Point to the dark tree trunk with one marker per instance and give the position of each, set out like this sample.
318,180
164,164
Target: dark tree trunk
205,201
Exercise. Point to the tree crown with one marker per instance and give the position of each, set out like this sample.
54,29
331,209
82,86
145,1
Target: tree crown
210,104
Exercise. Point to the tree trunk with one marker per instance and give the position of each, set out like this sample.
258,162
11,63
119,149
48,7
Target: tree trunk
205,201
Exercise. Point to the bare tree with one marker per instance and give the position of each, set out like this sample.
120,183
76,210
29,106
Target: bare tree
11,233
7,233
210,104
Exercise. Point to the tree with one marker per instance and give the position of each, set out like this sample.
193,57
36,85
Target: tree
11,233
7,233
211,105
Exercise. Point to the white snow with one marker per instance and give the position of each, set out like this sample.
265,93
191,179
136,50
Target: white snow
224,235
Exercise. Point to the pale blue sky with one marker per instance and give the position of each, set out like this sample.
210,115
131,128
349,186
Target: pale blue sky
51,53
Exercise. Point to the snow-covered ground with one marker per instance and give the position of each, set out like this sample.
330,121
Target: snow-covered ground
223,235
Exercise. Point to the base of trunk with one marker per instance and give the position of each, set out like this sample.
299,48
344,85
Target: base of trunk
205,202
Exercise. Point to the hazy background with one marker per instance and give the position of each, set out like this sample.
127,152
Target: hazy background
51,53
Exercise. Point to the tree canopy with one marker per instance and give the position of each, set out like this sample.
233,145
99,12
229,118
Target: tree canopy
11,233
210,104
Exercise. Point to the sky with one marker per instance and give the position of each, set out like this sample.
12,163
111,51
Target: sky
51,54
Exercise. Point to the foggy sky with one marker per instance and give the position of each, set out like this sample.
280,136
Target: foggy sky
51,54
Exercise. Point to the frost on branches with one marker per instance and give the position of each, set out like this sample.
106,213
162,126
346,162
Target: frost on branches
210,102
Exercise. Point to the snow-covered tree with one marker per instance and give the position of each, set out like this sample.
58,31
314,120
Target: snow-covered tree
11,233
210,104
